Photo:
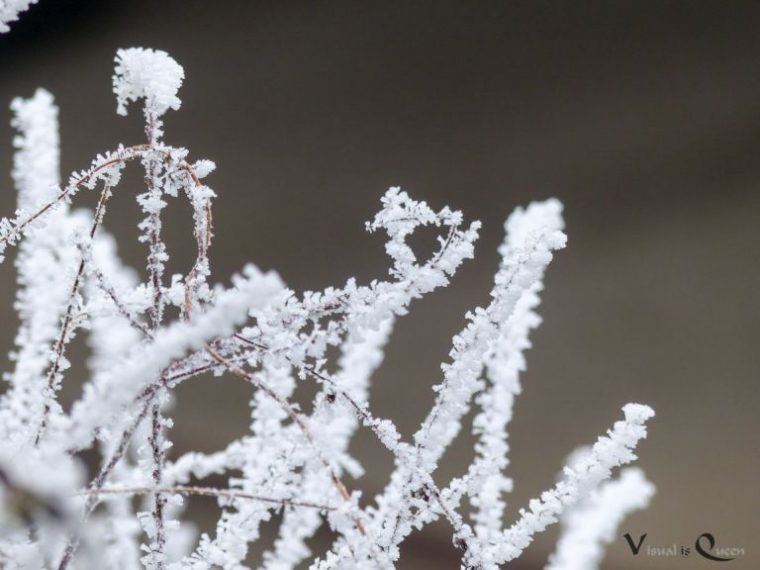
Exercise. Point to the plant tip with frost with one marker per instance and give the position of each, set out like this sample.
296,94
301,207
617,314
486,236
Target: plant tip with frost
148,74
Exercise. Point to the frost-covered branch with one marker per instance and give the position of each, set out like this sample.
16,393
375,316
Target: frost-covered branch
205,492
612,450
593,522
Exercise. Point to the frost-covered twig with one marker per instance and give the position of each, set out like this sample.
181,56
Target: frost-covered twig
612,450
593,523
66,333
503,364
205,492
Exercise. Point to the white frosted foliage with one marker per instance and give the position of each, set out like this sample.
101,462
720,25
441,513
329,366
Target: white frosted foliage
149,331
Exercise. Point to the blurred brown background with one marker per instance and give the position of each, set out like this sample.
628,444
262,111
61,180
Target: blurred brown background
642,117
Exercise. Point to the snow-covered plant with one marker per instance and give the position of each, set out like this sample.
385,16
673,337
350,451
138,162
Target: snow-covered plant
294,463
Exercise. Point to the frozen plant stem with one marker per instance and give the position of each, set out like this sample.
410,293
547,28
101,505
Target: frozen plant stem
292,460
206,492
152,205
53,378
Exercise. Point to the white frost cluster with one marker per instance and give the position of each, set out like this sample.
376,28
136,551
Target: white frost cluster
149,74
147,335
9,11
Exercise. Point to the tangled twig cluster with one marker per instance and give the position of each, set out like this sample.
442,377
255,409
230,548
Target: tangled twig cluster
292,461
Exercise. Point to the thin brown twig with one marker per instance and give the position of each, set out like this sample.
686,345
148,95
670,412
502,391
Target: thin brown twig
120,306
156,270
362,413
202,238
156,441
60,346
129,153
206,492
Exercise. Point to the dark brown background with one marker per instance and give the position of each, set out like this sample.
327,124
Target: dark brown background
643,117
